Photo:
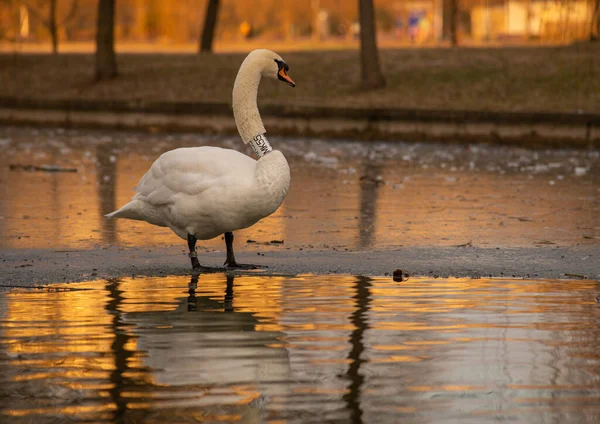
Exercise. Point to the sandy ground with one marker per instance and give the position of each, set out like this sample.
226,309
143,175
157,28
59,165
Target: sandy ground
30,267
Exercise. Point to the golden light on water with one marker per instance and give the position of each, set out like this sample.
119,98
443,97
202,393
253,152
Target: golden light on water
68,411
151,346
335,208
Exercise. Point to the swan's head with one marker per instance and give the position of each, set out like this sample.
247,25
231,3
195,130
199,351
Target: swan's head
271,65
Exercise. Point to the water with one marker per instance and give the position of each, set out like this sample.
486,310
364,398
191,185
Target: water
301,349
344,195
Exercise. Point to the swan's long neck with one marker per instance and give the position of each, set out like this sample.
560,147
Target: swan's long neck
245,109
272,175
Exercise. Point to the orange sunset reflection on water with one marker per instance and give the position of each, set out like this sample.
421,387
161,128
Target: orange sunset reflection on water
248,348
338,198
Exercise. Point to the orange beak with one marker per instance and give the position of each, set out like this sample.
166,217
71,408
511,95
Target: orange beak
285,78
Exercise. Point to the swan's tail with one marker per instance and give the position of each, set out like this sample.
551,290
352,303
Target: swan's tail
141,211
128,211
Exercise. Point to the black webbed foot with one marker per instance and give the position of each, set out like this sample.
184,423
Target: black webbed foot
230,262
198,269
235,265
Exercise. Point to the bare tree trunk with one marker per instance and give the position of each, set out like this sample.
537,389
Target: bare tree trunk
52,26
453,22
51,23
106,64
595,28
528,16
210,24
597,19
371,74
68,18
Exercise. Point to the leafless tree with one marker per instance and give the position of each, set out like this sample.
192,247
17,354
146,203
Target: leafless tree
453,22
106,63
371,75
50,23
210,25
595,27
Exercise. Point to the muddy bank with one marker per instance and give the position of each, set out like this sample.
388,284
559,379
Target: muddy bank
29,267
513,128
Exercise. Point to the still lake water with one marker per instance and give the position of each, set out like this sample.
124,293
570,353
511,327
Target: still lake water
344,195
301,349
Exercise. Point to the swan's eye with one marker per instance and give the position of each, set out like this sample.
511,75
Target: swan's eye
282,65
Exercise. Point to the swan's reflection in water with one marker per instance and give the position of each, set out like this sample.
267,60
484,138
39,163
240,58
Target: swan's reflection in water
228,299
196,343
209,354
249,348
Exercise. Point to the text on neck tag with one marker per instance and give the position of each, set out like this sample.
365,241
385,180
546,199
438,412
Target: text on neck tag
260,145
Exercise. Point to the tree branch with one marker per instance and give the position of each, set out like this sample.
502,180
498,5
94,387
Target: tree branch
71,14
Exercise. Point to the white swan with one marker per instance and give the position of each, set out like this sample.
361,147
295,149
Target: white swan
203,192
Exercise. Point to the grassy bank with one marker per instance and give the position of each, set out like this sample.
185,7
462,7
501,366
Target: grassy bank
546,79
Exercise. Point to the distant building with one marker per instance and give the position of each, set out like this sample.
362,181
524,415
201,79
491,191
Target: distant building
494,20
546,20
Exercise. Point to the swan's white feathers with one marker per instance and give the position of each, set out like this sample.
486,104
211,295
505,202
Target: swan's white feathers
207,191
191,171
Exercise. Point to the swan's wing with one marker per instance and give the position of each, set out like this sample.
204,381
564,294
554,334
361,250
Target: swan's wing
190,172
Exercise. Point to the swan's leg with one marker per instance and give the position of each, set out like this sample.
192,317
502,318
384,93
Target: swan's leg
194,257
230,261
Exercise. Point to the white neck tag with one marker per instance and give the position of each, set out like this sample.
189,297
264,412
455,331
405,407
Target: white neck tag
260,145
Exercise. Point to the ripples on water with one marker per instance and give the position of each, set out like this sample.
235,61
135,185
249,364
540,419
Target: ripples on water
304,349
